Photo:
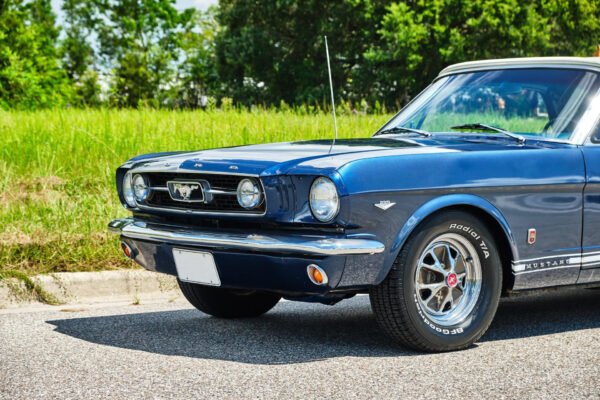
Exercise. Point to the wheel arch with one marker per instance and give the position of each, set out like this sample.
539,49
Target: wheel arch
480,208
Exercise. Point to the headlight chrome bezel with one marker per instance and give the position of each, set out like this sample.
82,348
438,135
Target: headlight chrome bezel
243,192
321,212
140,187
127,188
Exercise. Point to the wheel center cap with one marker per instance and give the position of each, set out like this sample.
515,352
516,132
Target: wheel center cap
452,280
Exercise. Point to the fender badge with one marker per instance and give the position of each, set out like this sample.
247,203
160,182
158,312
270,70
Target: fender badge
531,236
384,205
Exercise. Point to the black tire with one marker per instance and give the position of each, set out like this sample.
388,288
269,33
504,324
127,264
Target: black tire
395,303
228,303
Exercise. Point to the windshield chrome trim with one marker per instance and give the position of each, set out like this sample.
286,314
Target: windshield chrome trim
588,122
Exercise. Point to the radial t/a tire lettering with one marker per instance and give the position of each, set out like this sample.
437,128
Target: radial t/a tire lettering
443,289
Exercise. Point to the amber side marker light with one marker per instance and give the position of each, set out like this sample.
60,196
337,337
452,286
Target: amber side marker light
127,250
317,275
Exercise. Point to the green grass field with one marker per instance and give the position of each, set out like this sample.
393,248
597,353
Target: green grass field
57,190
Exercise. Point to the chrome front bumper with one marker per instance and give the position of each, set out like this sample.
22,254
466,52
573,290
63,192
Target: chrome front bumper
298,244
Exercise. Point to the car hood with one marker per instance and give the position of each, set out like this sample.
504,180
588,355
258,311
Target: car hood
314,157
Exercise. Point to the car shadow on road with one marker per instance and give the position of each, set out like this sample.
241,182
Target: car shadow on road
297,332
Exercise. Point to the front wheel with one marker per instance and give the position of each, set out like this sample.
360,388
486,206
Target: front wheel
444,287
228,303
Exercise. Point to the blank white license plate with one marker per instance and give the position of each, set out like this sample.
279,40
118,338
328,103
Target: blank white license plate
196,267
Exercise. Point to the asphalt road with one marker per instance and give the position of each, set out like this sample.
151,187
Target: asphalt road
541,347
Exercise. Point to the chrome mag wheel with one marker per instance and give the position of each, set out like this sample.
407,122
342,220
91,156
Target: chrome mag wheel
448,279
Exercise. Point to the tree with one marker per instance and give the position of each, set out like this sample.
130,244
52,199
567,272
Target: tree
79,56
384,51
139,38
197,75
273,50
417,39
575,26
30,71
146,52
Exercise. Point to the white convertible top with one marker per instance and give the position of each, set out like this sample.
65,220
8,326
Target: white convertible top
590,63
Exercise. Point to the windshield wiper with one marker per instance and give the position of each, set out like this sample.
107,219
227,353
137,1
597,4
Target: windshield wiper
403,129
489,128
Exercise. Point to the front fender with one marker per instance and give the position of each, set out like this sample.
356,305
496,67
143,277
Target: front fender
439,203
373,269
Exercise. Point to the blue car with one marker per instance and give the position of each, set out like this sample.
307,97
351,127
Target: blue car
486,184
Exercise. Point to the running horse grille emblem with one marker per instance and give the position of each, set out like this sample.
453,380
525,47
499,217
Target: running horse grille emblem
186,191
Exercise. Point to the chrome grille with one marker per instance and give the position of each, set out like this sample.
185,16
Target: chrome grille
224,182
219,193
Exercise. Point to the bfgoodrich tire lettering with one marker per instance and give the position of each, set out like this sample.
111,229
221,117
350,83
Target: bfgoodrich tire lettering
447,319
228,303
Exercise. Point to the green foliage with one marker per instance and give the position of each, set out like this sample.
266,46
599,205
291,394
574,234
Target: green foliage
139,38
270,51
575,26
382,50
30,73
197,76
147,53
418,39
79,57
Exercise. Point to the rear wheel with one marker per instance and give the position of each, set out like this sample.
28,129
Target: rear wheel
228,303
444,287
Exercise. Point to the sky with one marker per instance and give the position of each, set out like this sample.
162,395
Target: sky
201,4
181,4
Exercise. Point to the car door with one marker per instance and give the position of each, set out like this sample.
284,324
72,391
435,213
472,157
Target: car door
590,257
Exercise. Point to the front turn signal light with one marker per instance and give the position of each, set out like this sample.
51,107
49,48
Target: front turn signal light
317,275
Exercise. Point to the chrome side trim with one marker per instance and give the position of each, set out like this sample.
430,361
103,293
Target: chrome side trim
134,229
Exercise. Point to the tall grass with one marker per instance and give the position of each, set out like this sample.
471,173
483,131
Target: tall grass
57,171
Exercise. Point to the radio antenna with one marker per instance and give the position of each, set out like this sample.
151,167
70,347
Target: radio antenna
332,97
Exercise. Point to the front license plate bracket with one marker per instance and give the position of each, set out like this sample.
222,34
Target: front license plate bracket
196,267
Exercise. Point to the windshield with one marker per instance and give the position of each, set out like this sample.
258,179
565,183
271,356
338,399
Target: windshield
543,102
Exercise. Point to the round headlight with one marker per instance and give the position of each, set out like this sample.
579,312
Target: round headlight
324,199
248,193
128,191
140,188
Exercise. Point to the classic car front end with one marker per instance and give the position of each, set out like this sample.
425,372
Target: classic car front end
270,241
435,216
